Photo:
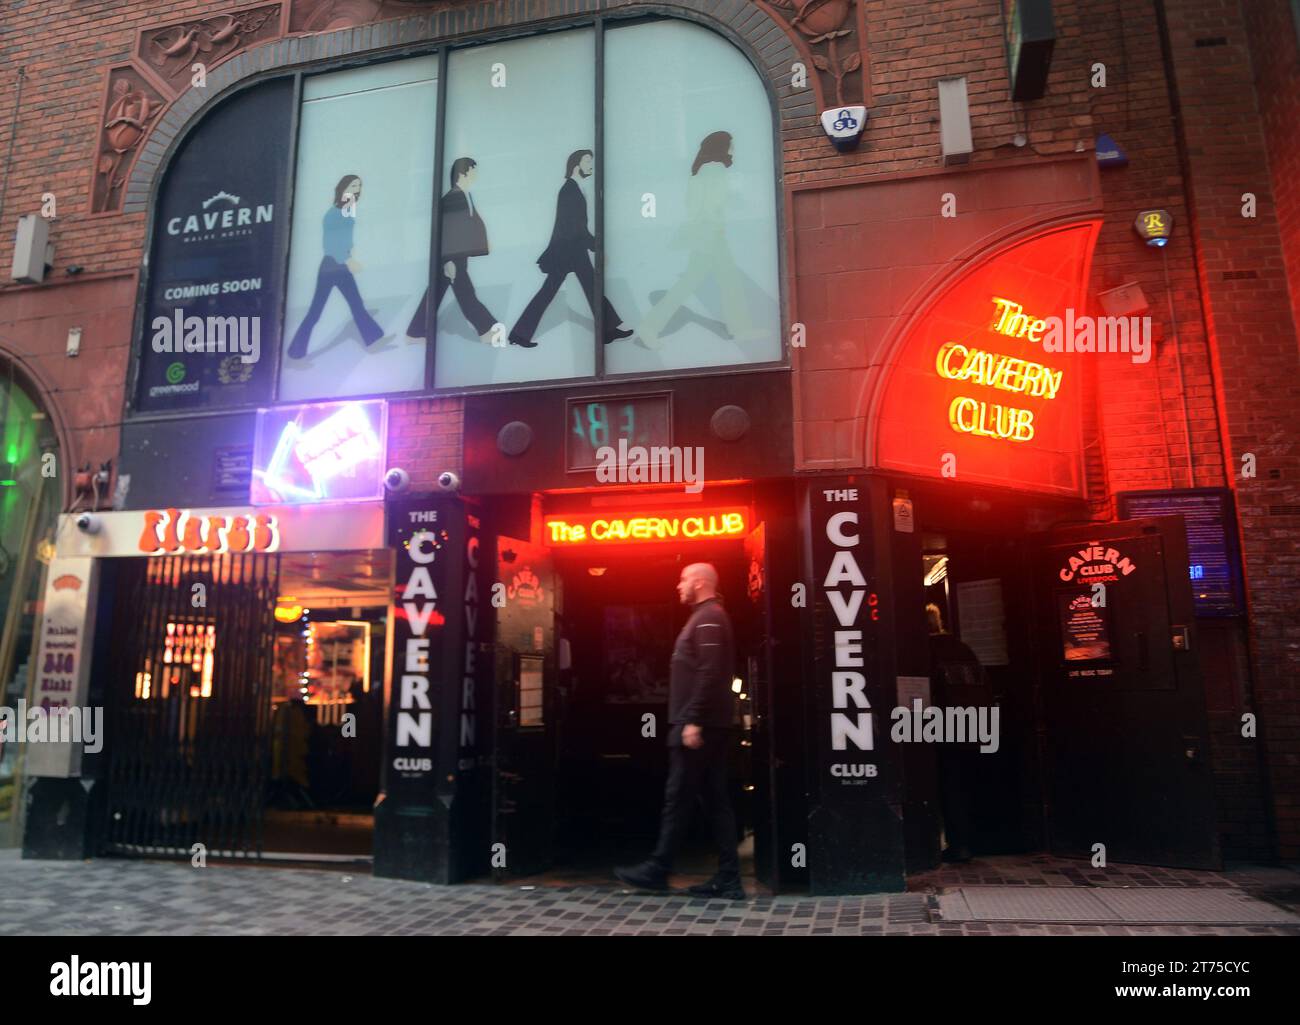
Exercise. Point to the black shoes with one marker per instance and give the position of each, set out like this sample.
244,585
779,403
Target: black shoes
715,887
528,343
645,876
649,876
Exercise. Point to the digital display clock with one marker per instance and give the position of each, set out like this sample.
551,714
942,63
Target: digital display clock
594,423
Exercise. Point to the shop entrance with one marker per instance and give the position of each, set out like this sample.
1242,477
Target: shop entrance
247,696
1084,641
978,621
583,718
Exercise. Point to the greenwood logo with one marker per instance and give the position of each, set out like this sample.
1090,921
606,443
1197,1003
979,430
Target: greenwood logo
176,373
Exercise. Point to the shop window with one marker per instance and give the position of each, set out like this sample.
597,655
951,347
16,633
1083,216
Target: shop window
517,219
216,269
690,205
684,186
359,255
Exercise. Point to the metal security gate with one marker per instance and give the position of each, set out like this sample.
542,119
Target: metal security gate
192,660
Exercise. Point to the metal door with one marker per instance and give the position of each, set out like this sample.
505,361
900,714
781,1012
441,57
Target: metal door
192,655
1127,738
523,792
756,664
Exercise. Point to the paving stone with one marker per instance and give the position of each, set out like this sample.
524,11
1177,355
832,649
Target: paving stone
125,897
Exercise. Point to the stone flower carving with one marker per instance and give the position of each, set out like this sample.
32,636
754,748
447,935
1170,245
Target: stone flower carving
822,21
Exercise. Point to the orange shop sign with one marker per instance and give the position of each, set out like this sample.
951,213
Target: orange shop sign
177,532
649,527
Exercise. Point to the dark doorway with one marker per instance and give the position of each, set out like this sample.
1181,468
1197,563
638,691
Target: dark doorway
980,584
620,620
247,695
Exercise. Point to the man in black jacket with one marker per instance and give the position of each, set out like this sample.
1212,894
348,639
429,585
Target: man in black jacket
701,711
463,236
567,254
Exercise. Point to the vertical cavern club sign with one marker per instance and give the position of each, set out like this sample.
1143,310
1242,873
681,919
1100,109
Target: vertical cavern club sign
432,738
854,827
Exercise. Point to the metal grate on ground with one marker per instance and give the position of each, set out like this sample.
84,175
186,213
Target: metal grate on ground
1155,905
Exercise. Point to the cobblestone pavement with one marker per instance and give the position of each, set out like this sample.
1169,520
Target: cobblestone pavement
126,897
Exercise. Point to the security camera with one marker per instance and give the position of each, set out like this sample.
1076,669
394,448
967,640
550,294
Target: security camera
448,481
88,524
397,480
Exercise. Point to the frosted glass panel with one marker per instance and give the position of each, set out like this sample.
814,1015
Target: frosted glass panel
362,216
690,201
517,188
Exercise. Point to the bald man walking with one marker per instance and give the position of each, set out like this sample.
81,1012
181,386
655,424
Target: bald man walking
701,710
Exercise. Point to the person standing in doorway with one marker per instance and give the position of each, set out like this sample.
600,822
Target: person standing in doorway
571,241
956,680
463,236
701,711
337,268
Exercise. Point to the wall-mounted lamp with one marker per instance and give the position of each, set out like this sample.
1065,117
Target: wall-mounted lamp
1154,227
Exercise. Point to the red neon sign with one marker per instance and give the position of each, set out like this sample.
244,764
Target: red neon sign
642,528
971,391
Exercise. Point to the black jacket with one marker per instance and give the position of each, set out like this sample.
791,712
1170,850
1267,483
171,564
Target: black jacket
699,685
463,231
570,239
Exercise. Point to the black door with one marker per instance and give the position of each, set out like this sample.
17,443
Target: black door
523,793
1127,737
755,659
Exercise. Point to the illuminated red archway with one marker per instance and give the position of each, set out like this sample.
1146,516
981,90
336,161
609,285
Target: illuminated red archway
972,394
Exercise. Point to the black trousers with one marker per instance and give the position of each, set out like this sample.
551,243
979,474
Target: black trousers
699,773
532,315
466,298
957,775
330,276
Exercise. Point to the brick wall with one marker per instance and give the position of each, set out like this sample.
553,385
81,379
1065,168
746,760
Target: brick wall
425,438
1248,311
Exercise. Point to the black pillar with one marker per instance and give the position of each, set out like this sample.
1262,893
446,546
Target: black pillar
855,819
428,816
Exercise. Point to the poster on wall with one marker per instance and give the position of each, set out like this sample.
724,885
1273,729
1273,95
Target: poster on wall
62,669
359,256
1213,554
210,332
1085,628
690,201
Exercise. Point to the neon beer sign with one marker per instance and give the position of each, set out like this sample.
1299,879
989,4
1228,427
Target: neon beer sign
179,532
614,528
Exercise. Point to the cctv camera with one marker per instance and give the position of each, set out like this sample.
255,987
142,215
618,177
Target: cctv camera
448,481
397,480
88,524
